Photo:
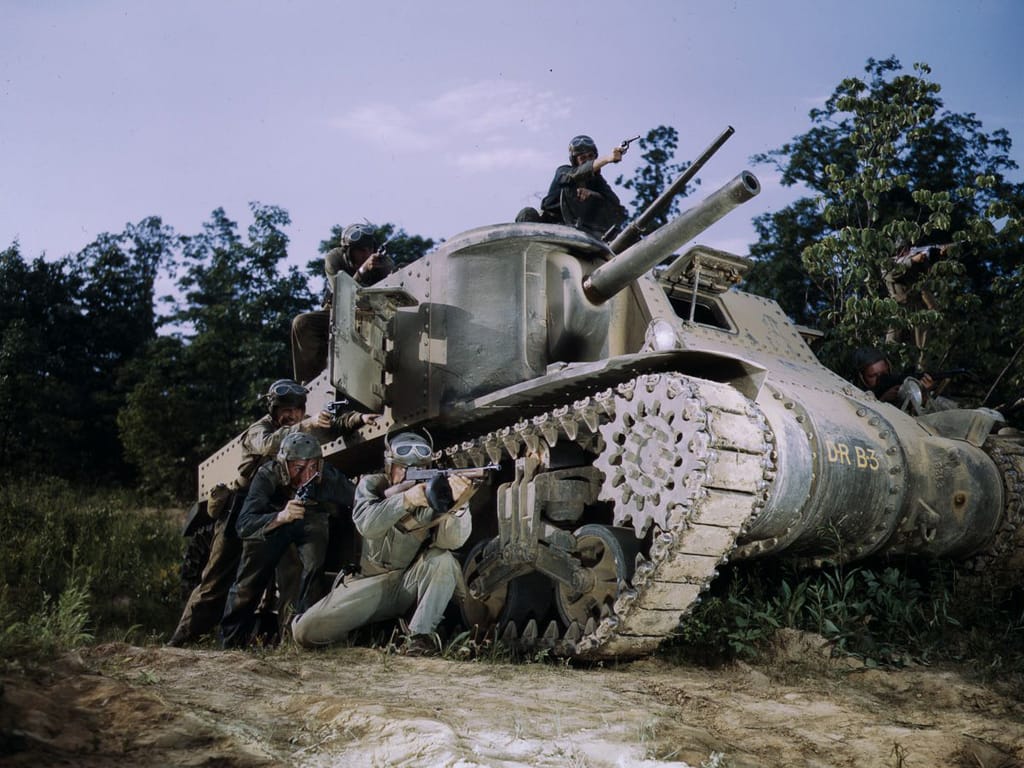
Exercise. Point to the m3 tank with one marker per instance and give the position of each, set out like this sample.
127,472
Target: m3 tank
652,422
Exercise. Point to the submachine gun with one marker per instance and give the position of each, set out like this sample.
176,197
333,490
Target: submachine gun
439,493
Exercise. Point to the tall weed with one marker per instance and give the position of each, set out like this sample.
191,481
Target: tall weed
68,552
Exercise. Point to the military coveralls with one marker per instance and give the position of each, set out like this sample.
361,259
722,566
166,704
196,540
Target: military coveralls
399,570
595,215
205,605
262,549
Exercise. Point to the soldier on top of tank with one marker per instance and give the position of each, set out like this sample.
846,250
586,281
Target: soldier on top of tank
289,502
579,196
408,533
361,257
286,414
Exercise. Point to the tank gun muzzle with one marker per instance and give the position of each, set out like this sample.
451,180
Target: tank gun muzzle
611,277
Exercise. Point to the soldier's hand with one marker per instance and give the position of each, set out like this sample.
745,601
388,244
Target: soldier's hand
324,420
370,418
458,485
416,496
293,510
617,153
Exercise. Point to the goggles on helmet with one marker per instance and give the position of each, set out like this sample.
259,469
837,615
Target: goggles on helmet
361,235
285,387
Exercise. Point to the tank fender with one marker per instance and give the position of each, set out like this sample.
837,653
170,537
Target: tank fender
974,426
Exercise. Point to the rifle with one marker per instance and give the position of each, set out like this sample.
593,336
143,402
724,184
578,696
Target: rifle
304,493
421,474
415,475
625,144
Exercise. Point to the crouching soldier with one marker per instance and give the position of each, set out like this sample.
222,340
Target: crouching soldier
289,502
406,561
286,415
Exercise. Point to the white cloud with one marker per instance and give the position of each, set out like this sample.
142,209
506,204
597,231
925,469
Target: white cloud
386,125
491,116
498,159
492,105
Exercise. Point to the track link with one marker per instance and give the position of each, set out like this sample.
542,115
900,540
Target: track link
688,457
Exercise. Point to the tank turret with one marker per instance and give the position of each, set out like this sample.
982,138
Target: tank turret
649,425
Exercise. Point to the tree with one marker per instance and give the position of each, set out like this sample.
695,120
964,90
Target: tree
656,174
118,274
891,168
42,364
227,337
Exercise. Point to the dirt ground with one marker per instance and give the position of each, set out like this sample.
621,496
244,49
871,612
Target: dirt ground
122,705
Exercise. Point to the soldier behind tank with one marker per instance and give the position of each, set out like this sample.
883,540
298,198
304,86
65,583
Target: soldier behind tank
286,415
272,518
874,374
579,196
407,563
360,257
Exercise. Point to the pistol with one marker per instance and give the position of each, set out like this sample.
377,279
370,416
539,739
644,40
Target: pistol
625,144
304,493
337,406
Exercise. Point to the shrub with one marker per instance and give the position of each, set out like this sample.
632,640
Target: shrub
66,550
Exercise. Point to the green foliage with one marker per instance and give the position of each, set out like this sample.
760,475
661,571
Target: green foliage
656,174
885,613
60,540
226,337
51,630
889,168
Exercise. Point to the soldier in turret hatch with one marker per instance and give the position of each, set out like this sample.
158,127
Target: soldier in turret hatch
579,196
360,257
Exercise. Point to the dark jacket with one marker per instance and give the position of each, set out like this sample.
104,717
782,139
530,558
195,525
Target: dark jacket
268,494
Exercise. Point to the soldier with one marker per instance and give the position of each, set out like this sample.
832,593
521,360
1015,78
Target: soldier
286,414
406,559
905,283
289,502
360,257
579,196
874,373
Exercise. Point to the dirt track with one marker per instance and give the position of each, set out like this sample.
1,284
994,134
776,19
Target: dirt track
124,705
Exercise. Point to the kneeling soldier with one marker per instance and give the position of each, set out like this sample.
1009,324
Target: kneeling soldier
406,560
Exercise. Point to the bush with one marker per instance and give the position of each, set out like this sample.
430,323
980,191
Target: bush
885,612
67,550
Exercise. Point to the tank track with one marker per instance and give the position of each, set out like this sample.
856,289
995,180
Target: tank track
690,458
1006,553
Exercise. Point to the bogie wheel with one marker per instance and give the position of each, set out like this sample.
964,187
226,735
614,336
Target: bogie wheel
609,555
521,599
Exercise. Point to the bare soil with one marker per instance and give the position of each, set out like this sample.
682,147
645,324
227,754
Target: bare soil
122,705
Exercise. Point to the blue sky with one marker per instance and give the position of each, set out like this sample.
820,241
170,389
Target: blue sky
438,117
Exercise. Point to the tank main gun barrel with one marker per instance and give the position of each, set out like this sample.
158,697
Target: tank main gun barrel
636,228
611,277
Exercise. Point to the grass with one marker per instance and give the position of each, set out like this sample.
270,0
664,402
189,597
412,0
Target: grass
887,613
78,564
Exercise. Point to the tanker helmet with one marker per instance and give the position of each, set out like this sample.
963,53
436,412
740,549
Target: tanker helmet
298,446
285,393
363,235
407,449
579,145
865,356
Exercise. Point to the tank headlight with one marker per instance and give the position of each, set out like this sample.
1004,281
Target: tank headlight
661,336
